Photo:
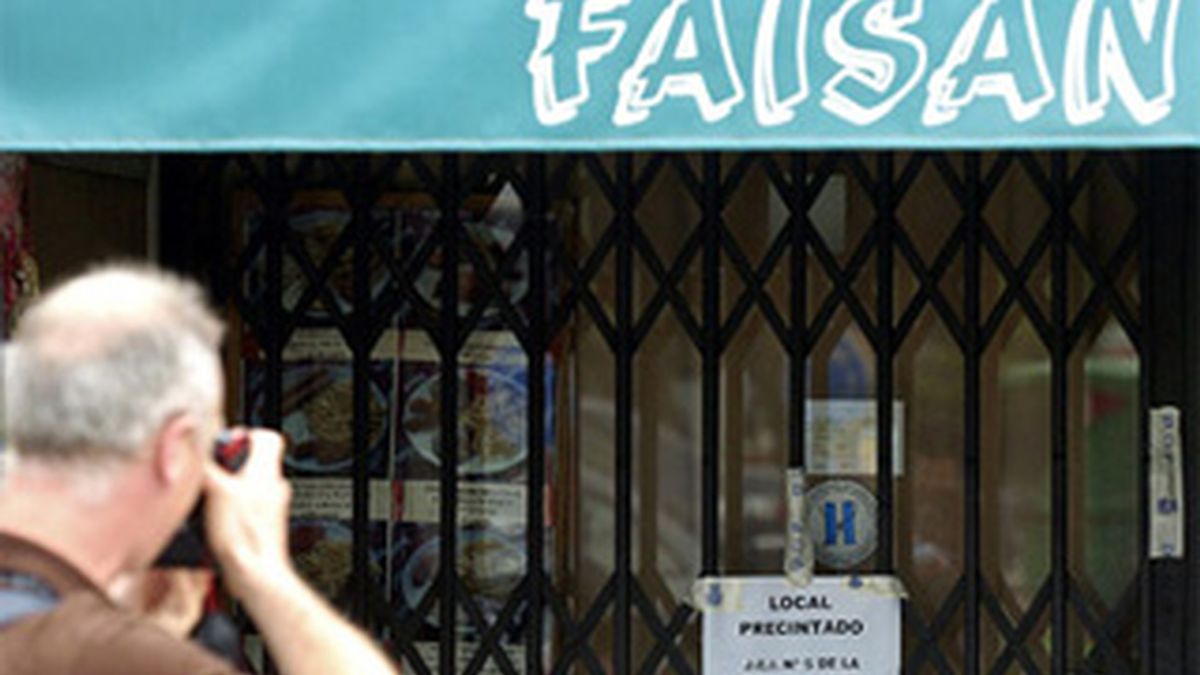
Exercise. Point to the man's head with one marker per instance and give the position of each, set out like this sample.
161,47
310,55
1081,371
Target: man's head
114,391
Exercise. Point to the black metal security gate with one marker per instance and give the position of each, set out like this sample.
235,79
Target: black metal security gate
984,289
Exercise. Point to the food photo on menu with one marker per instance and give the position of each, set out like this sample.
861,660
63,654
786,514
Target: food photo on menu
319,224
318,414
322,550
493,399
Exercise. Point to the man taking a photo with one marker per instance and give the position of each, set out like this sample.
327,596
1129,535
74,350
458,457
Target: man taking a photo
114,399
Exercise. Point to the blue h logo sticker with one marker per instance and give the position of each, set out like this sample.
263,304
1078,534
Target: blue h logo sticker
832,525
841,519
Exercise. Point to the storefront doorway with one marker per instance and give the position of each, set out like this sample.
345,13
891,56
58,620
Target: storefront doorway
650,340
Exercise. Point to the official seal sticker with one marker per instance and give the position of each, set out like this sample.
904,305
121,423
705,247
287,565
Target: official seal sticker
842,523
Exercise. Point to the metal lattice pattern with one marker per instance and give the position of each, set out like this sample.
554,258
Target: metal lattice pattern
824,286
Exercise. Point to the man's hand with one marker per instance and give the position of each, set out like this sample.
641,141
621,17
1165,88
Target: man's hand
246,517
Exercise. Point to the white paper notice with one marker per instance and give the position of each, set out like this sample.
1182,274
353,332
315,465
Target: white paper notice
491,503
835,625
465,652
488,348
840,437
333,498
1166,484
326,344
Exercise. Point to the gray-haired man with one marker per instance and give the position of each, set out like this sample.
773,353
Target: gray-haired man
114,399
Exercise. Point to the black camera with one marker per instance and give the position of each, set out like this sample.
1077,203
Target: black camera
187,548
216,631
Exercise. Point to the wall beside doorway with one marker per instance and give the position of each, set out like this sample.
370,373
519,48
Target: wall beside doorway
87,208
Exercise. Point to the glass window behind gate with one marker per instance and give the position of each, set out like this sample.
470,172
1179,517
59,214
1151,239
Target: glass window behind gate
626,352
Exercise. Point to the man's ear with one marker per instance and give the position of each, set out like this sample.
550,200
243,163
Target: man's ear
174,451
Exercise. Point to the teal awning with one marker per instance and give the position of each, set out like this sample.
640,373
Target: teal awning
595,74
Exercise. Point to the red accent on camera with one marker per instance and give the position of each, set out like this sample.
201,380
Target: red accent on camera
232,449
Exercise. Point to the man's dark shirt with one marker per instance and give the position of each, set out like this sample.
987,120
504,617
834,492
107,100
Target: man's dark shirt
85,633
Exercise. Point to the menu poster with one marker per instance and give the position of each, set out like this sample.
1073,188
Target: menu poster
492,391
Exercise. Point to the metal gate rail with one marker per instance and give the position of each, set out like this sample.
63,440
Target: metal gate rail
561,291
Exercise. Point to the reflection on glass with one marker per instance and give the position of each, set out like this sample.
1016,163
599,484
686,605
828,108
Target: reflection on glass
1105,550
1016,472
930,507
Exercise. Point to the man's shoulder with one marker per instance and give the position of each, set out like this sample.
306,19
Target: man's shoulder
99,639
